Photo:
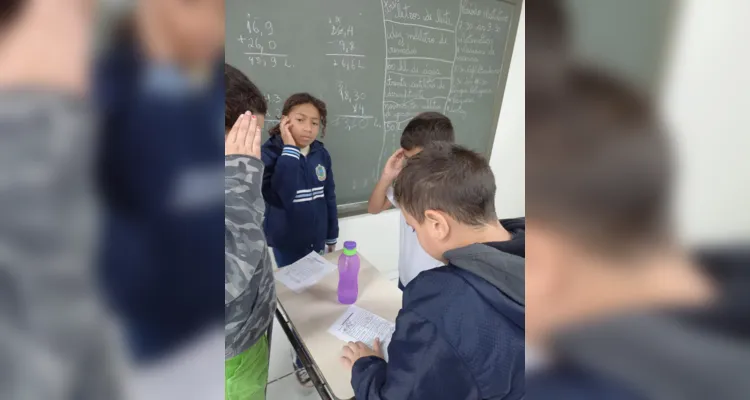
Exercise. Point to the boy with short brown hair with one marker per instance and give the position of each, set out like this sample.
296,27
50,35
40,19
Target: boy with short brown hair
460,333
421,131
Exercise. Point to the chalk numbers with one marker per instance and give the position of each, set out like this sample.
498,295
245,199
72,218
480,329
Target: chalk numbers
262,48
348,63
343,48
263,61
254,27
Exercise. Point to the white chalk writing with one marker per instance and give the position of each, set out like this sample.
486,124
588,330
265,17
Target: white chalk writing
445,58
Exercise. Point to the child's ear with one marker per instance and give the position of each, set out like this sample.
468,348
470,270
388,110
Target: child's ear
437,224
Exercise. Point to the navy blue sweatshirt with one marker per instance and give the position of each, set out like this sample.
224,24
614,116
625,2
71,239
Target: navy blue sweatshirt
692,353
161,177
300,198
460,333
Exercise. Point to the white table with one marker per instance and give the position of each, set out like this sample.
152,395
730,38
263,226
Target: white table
306,317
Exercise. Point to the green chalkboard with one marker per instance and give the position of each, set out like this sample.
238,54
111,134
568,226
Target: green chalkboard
630,38
377,64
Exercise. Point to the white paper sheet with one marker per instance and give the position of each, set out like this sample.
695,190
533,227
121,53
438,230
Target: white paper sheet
305,272
360,325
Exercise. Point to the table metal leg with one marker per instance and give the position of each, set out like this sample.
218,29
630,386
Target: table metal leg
318,380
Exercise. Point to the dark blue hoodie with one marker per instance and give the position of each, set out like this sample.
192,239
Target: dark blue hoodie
161,176
678,354
300,198
460,333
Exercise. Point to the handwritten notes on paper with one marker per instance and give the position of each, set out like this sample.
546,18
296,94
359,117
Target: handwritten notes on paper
305,272
360,325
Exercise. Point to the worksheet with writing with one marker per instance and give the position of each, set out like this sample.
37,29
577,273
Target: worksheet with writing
305,272
360,325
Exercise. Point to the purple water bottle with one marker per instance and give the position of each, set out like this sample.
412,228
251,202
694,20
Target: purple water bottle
348,274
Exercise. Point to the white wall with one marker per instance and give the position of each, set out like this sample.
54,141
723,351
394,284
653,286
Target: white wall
508,159
377,235
707,103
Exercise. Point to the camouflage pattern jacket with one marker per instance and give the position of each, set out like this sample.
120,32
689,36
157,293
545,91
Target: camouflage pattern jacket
250,294
55,338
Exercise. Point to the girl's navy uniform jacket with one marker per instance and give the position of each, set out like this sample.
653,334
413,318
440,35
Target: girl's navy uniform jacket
161,172
300,198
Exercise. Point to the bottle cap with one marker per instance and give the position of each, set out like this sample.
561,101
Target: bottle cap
350,248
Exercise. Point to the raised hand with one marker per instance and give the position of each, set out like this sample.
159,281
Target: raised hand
244,138
394,165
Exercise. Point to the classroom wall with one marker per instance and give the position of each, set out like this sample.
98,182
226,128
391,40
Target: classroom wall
377,235
707,103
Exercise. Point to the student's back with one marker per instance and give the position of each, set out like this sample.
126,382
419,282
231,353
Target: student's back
460,333
472,310
681,353
718,336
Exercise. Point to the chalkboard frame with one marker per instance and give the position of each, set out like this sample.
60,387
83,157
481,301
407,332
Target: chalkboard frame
359,208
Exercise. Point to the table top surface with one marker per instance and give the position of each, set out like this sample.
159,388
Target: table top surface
313,311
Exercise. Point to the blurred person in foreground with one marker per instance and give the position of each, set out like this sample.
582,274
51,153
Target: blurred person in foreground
617,307
547,48
160,89
547,61
250,293
54,336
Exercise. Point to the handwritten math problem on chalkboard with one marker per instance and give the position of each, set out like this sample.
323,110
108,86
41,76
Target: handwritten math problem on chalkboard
377,65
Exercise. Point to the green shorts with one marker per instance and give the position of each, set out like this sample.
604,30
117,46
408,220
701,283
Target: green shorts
247,373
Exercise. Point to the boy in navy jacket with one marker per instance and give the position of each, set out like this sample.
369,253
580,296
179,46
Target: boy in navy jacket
298,183
460,333
619,309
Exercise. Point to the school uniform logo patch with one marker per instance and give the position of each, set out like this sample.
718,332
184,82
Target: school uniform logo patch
320,171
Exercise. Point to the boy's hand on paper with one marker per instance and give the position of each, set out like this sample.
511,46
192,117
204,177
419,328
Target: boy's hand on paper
286,131
331,248
354,351
394,165
244,137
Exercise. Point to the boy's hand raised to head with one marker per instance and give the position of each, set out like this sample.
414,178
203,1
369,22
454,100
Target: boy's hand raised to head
244,138
355,351
286,131
394,165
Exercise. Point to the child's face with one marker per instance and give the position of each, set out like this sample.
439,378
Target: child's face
305,124
196,27
433,233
